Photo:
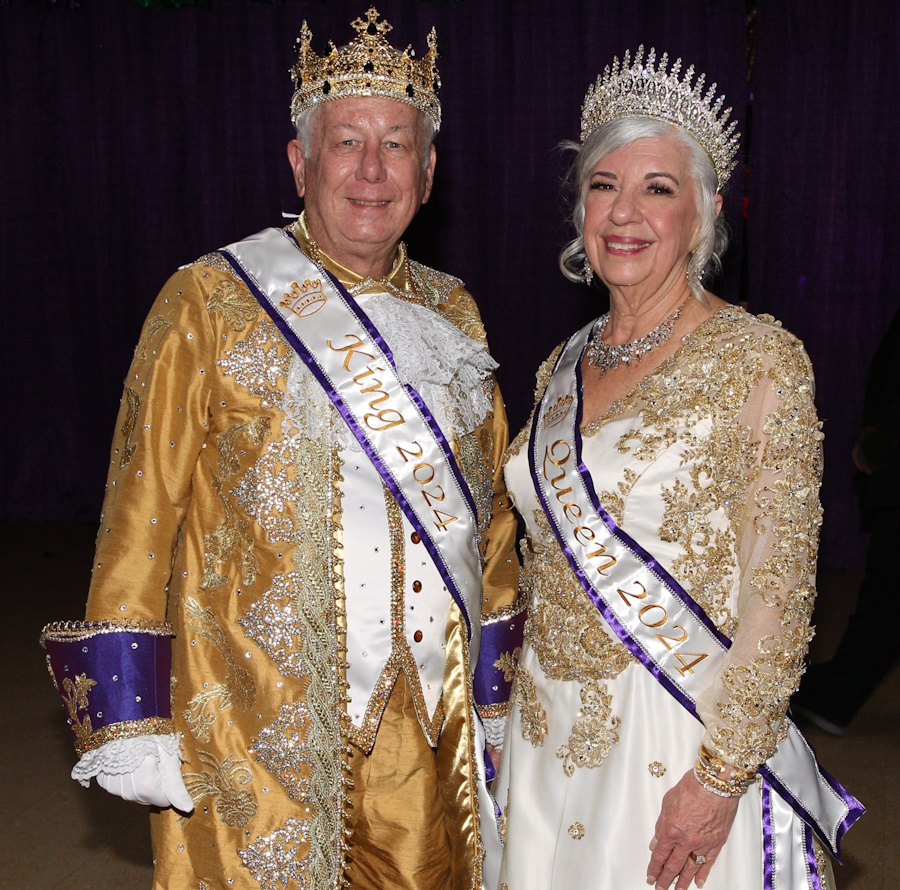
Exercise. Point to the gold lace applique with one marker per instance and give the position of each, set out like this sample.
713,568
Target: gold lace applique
234,303
463,313
614,501
594,732
128,427
154,329
239,688
564,628
75,697
507,662
531,712
231,538
256,430
234,807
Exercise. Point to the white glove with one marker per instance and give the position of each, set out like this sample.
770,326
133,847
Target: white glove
145,769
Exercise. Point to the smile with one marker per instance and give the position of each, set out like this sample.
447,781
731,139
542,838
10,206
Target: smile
618,245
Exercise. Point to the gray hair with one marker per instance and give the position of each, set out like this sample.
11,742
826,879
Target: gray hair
707,258
427,132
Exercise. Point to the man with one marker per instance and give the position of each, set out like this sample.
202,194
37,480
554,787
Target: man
305,482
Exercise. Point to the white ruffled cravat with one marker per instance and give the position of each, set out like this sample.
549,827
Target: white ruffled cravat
444,366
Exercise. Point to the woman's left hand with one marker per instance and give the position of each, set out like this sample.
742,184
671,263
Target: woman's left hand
693,823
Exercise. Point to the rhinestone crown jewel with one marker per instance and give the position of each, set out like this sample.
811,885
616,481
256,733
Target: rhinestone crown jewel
367,66
639,90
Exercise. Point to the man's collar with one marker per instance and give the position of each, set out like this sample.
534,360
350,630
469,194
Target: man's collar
397,279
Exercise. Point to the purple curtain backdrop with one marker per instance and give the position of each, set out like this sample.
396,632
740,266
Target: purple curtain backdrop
134,140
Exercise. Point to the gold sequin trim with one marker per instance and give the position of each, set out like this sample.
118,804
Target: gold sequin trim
68,631
126,729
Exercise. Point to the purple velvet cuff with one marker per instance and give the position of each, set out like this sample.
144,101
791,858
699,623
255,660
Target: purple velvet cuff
494,674
114,679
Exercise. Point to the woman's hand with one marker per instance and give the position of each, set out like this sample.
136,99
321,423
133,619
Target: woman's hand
692,821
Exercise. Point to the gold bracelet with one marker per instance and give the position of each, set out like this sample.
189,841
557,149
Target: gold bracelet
716,765
708,772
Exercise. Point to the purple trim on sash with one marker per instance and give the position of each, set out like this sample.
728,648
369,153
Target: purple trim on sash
310,361
811,865
768,838
498,638
855,809
131,673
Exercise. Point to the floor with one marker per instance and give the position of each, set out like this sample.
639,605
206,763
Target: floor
60,836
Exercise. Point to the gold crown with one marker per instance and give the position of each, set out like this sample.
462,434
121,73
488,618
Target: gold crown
557,412
305,299
367,66
637,90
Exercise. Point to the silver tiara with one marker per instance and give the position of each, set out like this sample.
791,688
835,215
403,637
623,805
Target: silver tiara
639,90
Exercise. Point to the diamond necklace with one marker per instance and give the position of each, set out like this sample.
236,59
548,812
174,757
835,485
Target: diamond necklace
605,357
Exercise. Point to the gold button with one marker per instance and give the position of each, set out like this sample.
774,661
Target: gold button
417,586
417,636
414,537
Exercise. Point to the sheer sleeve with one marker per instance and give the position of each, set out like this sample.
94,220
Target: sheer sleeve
777,542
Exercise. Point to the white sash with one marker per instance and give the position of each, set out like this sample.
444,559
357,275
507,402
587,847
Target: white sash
662,626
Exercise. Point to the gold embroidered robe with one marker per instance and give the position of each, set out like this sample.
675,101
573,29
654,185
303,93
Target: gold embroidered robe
219,521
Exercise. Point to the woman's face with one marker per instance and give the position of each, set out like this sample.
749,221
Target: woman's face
640,217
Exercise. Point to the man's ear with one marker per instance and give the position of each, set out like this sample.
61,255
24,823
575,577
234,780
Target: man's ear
298,165
429,173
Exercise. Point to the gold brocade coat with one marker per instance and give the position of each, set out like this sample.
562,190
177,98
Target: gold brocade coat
219,522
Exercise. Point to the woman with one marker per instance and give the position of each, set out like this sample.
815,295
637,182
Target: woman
668,480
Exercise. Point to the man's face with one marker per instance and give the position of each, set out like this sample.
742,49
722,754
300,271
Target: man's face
364,180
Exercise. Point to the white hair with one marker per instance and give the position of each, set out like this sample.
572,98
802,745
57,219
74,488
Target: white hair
427,133
713,237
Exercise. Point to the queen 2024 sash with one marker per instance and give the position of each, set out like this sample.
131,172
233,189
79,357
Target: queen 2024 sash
351,361
668,632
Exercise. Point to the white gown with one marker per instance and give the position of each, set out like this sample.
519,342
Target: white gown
713,465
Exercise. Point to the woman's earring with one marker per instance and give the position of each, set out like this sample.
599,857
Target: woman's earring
588,272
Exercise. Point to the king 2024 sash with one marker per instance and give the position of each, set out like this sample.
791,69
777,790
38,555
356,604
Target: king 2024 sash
353,364
668,632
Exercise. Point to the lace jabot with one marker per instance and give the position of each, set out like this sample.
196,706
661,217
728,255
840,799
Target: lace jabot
446,368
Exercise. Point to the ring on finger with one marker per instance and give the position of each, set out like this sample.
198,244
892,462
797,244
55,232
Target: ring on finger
699,858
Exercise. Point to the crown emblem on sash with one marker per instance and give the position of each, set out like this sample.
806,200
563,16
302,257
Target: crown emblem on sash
305,299
557,412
